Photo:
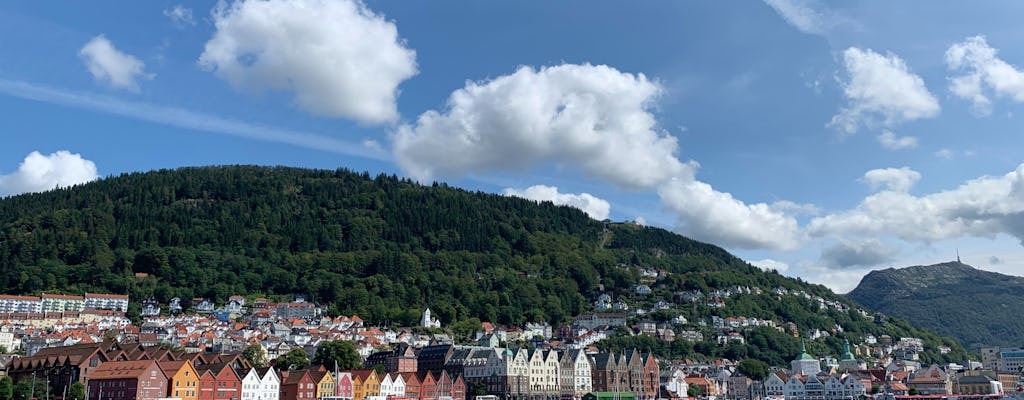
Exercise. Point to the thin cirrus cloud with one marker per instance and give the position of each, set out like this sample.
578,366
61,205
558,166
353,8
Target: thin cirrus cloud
338,58
984,75
110,66
805,15
180,16
39,173
187,119
595,207
881,91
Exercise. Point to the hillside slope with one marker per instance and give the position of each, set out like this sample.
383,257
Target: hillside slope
980,308
384,248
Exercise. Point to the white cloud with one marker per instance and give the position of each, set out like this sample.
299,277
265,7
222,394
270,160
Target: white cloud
39,173
995,260
640,220
180,16
892,142
867,252
804,15
984,74
110,66
894,179
187,119
944,153
339,58
594,117
712,216
983,207
595,207
881,91
769,264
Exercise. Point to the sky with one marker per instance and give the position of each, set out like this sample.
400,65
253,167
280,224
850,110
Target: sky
820,139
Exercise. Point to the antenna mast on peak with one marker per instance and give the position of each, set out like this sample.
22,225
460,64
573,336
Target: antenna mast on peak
958,256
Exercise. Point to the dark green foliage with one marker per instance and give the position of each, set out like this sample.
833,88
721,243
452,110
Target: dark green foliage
28,388
385,248
256,356
76,391
292,360
341,354
6,388
979,308
753,369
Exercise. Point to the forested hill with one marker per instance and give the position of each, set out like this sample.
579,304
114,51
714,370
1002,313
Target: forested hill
382,248
980,308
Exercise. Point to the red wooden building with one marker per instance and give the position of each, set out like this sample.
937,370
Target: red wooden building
127,380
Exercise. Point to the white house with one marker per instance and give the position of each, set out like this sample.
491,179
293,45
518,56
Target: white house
270,386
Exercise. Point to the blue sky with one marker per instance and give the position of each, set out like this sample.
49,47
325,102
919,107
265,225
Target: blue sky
821,139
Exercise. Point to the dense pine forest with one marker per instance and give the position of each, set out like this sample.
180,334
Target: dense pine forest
384,248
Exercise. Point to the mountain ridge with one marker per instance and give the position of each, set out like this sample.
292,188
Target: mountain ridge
385,248
951,298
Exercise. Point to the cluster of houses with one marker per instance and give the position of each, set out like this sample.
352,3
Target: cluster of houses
129,370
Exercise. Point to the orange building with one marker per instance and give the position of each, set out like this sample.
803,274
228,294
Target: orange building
183,379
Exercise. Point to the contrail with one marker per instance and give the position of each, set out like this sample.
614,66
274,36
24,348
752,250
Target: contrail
187,119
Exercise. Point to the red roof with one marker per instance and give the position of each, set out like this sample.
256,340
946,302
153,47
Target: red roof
121,370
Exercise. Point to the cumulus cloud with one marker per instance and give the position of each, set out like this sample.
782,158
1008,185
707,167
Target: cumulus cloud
894,179
594,117
339,58
858,253
892,142
110,66
595,207
180,16
984,207
994,260
881,91
38,173
769,264
984,74
712,216
804,15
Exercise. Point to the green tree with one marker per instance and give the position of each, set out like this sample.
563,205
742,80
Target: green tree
77,391
694,391
292,360
24,389
6,388
754,369
3,350
342,352
256,355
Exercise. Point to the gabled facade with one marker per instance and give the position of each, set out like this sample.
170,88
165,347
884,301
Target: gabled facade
127,380
183,380
297,385
219,381
343,386
325,383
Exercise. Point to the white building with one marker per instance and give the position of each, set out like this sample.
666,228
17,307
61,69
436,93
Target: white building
20,304
117,302
61,303
428,321
805,364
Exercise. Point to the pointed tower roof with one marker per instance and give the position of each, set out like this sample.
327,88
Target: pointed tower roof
847,355
803,352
